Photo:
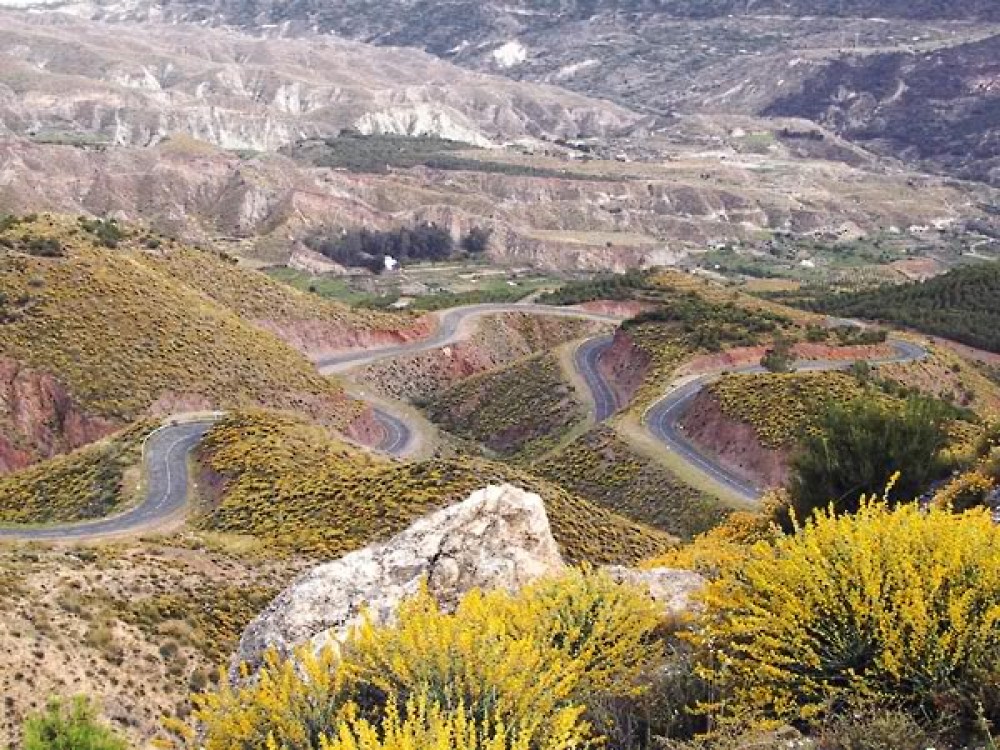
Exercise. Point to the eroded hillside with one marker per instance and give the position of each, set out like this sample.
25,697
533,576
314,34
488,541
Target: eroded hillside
94,336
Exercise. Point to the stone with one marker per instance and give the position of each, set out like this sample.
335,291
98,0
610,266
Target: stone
497,538
672,589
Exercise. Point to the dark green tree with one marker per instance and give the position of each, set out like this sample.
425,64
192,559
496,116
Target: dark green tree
859,446
779,357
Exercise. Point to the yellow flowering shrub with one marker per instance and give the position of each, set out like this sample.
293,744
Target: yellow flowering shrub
726,546
885,604
428,726
968,490
517,668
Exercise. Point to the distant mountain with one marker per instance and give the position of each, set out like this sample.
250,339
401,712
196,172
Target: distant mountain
941,108
745,57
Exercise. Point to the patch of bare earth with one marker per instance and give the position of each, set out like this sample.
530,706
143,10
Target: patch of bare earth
137,627
734,444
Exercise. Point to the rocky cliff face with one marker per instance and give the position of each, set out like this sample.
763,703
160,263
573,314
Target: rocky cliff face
66,79
39,419
497,538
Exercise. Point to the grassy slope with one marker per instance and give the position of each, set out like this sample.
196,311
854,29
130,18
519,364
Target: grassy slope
257,296
782,407
120,334
604,469
288,483
82,485
520,409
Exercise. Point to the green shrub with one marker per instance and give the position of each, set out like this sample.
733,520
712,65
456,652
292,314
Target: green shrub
69,725
859,446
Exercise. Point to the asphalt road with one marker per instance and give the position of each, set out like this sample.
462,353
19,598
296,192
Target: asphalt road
166,454
585,359
167,449
662,419
398,434
449,331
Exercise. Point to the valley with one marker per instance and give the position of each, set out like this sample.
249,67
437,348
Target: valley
499,376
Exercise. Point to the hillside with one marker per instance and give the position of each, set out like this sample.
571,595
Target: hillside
729,57
238,91
940,109
90,483
293,488
97,336
960,305
518,411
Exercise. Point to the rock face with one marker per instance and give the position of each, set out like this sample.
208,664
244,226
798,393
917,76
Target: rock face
39,419
498,538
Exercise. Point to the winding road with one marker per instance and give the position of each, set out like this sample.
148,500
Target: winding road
165,455
167,449
662,419
450,330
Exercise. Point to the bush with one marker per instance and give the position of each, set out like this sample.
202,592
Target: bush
525,664
886,605
860,445
106,231
876,728
424,724
779,358
69,726
477,241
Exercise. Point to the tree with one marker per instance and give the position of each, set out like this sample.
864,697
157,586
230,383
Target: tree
860,446
779,357
69,725
477,241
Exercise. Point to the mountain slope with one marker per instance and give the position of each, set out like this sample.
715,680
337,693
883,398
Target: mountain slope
938,108
65,79
115,333
960,305
730,56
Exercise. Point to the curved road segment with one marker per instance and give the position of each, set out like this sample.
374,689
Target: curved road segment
586,360
662,419
398,436
166,453
450,331
167,449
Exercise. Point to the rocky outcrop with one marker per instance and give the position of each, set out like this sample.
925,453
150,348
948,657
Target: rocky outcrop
39,419
498,538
